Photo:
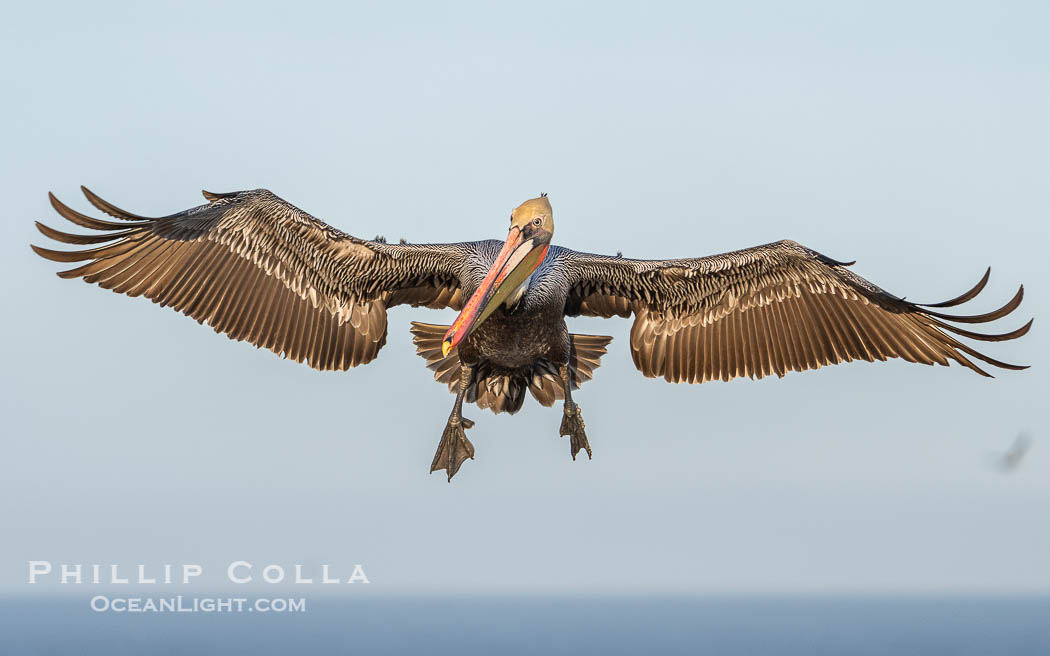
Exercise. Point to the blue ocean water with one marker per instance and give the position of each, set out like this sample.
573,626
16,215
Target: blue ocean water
726,627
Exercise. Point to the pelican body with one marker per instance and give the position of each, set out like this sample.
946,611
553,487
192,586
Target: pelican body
257,268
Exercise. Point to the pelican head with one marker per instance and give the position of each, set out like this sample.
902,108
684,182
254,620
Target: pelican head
531,229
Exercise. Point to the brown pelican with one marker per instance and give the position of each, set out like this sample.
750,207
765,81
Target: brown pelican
259,269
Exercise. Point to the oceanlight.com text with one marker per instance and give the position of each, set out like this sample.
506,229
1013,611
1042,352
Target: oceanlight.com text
181,604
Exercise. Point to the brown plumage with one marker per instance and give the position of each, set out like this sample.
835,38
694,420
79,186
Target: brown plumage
259,269
769,310
486,387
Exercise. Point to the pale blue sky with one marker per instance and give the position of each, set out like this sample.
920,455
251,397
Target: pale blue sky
912,138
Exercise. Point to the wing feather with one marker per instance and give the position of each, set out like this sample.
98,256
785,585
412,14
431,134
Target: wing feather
769,310
259,269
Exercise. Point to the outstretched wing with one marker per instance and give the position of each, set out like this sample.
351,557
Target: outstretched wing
768,309
259,269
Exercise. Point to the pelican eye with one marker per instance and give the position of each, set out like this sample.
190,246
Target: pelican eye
537,221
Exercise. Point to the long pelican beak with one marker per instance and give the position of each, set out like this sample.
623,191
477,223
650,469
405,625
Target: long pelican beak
516,261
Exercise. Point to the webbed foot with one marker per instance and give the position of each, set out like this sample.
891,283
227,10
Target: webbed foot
572,425
454,447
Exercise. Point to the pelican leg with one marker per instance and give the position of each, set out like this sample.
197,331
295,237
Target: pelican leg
454,447
572,418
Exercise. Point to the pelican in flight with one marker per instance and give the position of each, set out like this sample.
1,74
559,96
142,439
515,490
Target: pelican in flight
257,268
